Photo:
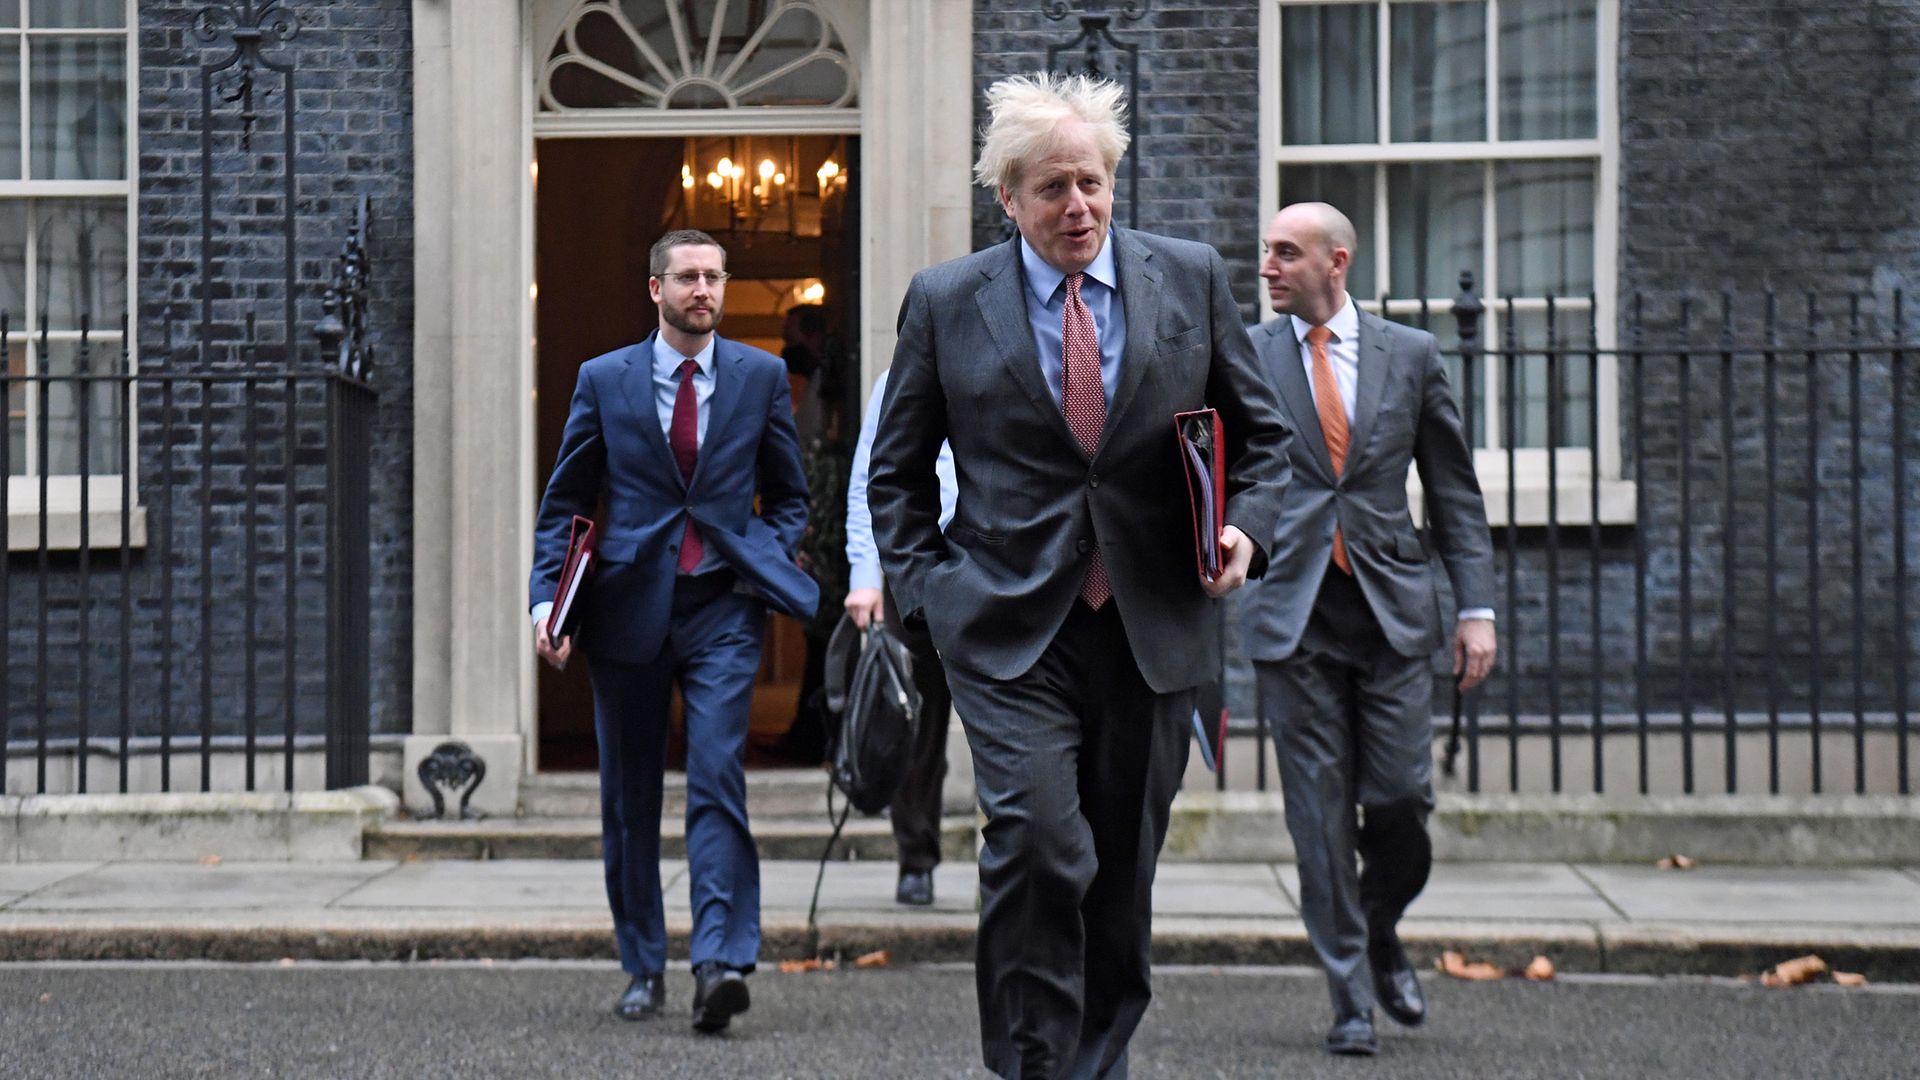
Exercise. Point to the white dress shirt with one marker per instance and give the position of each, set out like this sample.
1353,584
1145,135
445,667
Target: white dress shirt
1343,354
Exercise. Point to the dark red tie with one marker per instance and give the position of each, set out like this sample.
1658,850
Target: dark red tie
1084,399
684,438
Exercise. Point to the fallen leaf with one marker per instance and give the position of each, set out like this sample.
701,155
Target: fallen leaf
811,963
286,961
1794,972
486,961
1676,861
209,860
44,998
1849,978
877,958
1540,970
1455,964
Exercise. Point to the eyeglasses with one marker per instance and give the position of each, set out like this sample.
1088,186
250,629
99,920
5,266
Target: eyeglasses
687,279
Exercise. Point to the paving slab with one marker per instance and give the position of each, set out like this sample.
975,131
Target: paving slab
19,879
1525,892
1751,894
1224,889
559,884
849,886
133,886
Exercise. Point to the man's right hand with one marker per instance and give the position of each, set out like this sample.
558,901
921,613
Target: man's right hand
864,605
544,646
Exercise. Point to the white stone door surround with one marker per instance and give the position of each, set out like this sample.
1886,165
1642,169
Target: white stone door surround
474,79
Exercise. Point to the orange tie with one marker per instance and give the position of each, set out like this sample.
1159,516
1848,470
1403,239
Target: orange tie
1333,424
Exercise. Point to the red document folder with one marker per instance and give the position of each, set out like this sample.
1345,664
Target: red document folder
1203,461
564,619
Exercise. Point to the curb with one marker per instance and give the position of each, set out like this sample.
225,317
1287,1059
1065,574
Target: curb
1881,954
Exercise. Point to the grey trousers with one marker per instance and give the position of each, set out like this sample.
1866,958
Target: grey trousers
1352,721
1076,763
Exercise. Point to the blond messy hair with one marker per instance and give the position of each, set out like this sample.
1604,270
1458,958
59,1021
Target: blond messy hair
1026,111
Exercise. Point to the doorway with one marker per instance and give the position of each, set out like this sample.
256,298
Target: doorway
784,207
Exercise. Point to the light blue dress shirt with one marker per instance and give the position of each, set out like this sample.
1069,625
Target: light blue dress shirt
863,556
1047,301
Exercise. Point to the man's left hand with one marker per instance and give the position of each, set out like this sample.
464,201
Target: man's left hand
1239,556
1473,650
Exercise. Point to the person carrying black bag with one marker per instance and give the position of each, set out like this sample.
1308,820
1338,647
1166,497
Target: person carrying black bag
916,806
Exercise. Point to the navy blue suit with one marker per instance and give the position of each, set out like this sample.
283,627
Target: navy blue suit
646,627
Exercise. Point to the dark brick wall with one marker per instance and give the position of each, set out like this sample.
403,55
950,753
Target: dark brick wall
1196,118
353,122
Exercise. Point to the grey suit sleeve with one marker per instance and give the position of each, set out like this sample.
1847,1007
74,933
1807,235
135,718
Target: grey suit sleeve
1258,468
1455,507
903,486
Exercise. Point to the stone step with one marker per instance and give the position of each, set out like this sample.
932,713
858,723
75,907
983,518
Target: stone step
770,793
779,837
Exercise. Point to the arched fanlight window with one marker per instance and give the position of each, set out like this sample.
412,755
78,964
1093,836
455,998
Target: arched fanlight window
696,54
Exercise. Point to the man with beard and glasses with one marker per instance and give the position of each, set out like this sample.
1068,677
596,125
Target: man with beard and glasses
676,436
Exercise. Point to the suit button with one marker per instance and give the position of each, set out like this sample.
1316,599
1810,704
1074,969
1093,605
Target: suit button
1083,546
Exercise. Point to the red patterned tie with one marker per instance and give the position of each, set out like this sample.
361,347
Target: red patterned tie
1084,399
684,437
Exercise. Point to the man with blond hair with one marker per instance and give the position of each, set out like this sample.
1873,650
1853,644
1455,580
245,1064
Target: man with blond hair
1065,596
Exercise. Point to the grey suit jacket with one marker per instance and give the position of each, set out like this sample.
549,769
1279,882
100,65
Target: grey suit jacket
1403,412
996,586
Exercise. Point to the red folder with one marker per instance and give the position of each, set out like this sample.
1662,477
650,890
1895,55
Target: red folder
564,619
1202,446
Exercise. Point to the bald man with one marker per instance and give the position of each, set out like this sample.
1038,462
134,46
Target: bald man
1348,616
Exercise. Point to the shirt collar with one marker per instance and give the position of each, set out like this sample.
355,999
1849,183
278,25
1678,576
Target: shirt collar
667,359
1345,323
1045,280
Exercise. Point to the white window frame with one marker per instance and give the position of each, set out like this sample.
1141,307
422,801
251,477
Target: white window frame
1574,465
63,499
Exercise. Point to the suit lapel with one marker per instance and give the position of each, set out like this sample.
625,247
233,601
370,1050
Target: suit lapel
1372,381
637,383
723,404
1282,353
1003,306
1140,296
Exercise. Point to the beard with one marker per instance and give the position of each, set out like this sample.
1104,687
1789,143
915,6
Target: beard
689,322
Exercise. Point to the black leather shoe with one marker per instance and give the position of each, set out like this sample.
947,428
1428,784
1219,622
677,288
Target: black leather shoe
1394,982
916,888
719,994
644,997
1353,1036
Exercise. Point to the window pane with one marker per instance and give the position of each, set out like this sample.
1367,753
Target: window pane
1547,85
82,259
16,357
1439,72
9,105
1544,215
1543,375
1434,227
102,425
79,99
9,13
62,13
1329,57
13,262
1350,189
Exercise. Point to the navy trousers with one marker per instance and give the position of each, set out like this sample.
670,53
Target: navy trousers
712,651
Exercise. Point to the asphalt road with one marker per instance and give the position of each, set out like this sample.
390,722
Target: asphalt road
551,1020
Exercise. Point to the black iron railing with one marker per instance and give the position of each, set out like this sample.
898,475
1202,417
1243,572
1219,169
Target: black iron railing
1706,586
197,578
